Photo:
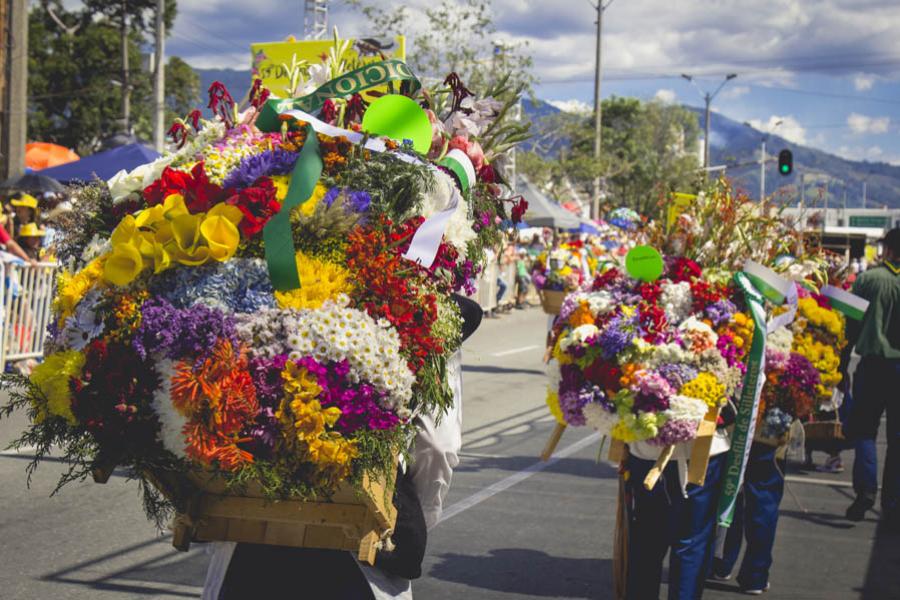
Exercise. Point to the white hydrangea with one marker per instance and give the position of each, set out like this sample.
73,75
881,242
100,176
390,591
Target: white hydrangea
677,300
172,422
781,339
459,230
670,353
685,408
599,418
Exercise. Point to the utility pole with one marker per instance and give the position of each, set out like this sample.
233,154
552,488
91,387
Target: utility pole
707,99
15,93
802,192
864,193
159,79
762,169
598,122
126,89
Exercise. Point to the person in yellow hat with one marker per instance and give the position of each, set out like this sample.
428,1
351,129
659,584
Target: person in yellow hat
26,209
31,239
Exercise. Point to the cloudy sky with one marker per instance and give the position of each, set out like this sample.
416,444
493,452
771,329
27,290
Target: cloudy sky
829,70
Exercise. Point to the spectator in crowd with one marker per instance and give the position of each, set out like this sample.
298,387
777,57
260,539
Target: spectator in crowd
12,246
26,209
536,246
31,239
523,279
876,339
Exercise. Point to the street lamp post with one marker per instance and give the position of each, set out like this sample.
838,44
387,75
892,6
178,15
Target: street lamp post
762,158
708,98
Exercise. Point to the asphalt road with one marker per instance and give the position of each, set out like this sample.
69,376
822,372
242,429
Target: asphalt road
514,528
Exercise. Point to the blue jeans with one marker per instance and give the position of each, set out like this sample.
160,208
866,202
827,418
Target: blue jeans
501,289
755,519
875,388
663,519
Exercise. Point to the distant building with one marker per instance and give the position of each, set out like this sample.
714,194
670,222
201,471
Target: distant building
845,230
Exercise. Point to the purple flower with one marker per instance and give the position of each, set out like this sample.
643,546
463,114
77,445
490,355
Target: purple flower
720,311
616,336
265,432
266,374
268,163
677,374
181,333
354,201
675,431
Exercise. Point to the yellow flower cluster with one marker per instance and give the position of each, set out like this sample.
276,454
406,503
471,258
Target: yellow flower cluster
168,233
308,208
52,378
127,314
741,327
281,183
705,387
72,288
305,423
320,280
819,336
553,405
823,318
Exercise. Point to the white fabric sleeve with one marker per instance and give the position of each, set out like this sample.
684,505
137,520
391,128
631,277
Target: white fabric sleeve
218,566
436,451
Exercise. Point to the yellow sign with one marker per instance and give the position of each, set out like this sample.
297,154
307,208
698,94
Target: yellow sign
676,207
271,61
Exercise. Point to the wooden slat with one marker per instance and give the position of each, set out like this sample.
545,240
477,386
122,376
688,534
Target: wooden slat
702,445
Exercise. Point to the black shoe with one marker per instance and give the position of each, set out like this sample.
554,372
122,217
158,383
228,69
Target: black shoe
857,510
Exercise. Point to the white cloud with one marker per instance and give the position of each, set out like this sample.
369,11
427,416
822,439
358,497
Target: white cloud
735,92
863,82
870,153
861,124
785,126
571,106
665,96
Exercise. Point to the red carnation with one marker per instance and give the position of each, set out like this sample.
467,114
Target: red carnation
258,204
199,193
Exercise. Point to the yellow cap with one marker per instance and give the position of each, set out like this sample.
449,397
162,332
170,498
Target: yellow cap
25,200
31,230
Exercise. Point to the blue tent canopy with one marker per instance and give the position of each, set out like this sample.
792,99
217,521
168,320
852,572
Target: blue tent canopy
103,164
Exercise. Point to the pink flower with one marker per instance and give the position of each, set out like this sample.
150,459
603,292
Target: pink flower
472,149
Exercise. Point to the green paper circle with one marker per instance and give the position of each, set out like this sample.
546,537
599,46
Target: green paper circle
644,263
399,118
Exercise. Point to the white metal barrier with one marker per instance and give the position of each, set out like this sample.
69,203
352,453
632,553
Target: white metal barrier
25,302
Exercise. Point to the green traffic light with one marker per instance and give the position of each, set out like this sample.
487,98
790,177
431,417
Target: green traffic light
785,169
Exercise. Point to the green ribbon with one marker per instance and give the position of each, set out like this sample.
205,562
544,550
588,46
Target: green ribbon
277,234
748,405
371,75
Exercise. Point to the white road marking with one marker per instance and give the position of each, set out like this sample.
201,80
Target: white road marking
516,478
815,481
24,450
515,351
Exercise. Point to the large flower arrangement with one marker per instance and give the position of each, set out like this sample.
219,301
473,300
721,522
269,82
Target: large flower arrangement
802,364
647,361
562,268
170,347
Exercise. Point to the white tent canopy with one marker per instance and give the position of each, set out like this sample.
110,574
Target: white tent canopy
542,211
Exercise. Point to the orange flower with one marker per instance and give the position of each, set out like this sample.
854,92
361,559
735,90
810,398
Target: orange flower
219,400
581,316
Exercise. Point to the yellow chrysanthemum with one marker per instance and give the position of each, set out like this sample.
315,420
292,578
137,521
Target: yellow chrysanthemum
281,182
309,207
553,405
52,378
319,281
706,387
72,288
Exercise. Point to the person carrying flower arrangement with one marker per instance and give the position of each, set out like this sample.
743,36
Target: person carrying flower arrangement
876,339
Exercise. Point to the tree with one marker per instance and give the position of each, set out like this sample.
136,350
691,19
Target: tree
453,37
73,55
649,150
131,17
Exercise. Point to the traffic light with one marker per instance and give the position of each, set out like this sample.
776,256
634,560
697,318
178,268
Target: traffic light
785,162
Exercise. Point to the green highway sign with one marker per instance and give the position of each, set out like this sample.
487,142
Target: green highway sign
868,221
